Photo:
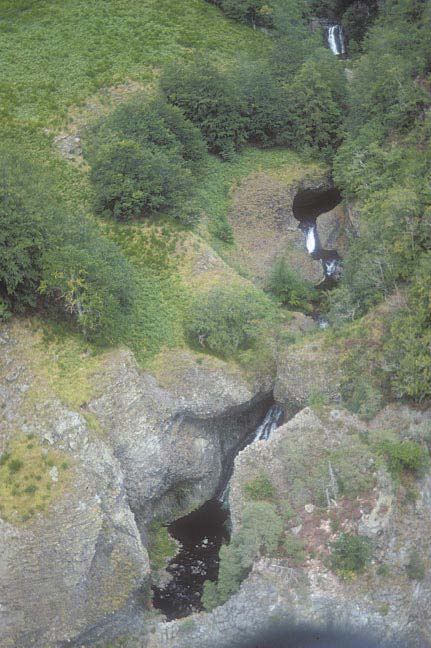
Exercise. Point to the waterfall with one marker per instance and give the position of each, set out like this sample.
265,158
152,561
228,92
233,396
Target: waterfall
331,267
335,38
310,241
273,419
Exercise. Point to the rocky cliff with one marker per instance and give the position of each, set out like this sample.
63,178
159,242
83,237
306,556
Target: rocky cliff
324,466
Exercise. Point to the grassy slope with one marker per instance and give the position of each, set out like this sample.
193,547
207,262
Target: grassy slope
58,59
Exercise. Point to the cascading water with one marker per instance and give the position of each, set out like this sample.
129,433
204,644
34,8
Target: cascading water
201,534
272,420
310,240
335,39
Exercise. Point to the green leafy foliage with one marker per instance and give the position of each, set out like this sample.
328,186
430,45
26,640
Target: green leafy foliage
260,488
252,12
260,531
142,157
290,288
92,281
403,455
26,213
211,100
350,554
226,319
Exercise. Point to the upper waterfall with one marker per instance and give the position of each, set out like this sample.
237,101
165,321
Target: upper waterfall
335,39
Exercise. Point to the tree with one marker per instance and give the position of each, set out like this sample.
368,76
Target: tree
92,282
143,157
253,12
212,100
26,211
226,319
290,288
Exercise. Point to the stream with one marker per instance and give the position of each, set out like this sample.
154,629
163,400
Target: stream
201,534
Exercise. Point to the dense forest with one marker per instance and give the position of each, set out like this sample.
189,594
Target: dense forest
367,117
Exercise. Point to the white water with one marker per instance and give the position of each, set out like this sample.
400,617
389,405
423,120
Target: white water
310,241
336,39
269,424
271,421
331,267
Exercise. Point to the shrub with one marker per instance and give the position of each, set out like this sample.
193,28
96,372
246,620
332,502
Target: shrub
142,158
350,554
15,465
91,281
26,212
260,488
209,595
415,567
290,288
261,530
252,12
403,455
212,100
295,549
226,319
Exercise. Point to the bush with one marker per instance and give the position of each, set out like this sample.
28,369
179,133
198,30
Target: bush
415,567
260,488
290,288
261,530
226,319
404,455
252,12
26,213
350,554
142,158
295,549
212,100
90,279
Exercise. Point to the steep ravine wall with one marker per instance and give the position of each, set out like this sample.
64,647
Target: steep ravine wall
80,568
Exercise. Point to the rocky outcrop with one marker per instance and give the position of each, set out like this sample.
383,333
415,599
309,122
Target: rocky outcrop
307,369
265,228
75,559
142,445
333,230
172,441
314,454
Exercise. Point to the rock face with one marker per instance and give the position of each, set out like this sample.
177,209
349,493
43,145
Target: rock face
333,229
313,454
171,442
306,369
265,228
140,447
64,569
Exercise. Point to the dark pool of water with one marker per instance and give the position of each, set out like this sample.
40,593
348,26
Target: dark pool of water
201,534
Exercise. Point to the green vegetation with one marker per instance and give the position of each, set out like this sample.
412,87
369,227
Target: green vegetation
260,488
403,456
210,99
142,157
226,320
261,530
383,165
350,554
294,548
287,286
416,568
161,545
26,485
